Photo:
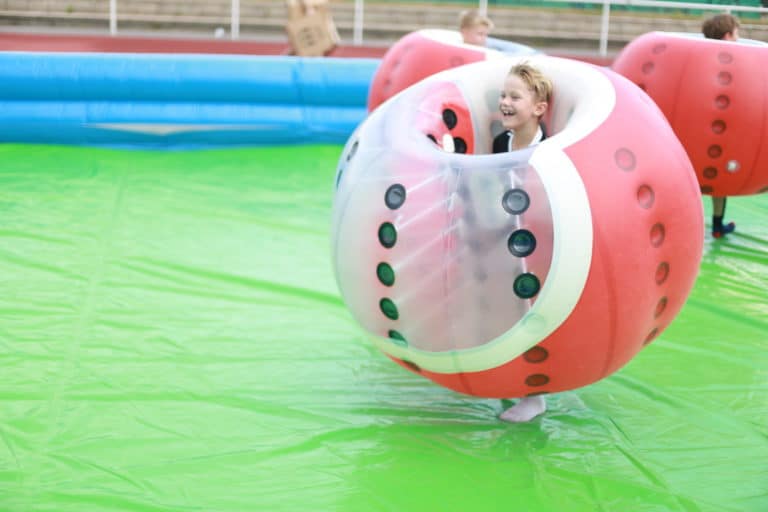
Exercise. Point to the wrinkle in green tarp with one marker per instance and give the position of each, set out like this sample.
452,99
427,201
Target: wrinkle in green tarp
172,339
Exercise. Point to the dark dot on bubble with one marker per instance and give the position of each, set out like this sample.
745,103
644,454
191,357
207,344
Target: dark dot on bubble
645,196
662,272
413,366
394,196
722,102
387,235
657,234
625,159
526,285
450,118
389,309
353,150
397,338
647,67
710,173
718,126
651,335
535,354
515,201
725,57
521,243
385,273
536,380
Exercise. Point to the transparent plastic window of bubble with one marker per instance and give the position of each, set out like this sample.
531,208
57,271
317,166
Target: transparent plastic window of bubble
473,235
439,251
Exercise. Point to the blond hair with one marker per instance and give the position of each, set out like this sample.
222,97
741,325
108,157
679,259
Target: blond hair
472,18
539,83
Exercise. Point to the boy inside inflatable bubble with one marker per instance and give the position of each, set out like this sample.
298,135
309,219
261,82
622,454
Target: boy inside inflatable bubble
524,99
513,275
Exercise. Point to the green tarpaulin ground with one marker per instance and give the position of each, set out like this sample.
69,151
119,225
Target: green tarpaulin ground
172,339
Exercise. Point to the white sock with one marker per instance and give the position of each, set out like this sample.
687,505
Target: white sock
525,410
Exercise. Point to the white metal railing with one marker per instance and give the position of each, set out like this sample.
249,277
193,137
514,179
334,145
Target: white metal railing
357,32
113,17
605,21
235,20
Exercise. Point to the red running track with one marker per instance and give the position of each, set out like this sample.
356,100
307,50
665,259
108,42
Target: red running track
30,42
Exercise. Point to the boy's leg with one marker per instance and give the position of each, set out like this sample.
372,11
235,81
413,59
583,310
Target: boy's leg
525,410
718,212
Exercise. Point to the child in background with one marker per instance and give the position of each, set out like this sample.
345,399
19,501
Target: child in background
726,28
474,27
524,99
721,26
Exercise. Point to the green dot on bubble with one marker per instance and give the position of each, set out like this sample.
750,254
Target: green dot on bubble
385,274
526,285
387,235
389,309
397,338
521,243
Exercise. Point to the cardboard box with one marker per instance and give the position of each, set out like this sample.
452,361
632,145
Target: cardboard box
312,35
299,8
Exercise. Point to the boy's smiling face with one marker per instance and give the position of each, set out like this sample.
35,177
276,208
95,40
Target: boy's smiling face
518,104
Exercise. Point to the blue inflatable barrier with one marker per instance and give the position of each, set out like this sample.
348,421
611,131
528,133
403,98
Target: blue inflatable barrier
180,100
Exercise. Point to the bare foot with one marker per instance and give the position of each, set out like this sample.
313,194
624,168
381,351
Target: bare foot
525,410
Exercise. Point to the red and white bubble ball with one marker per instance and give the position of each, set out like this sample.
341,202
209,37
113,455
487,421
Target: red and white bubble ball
423,53
521,273
715,95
